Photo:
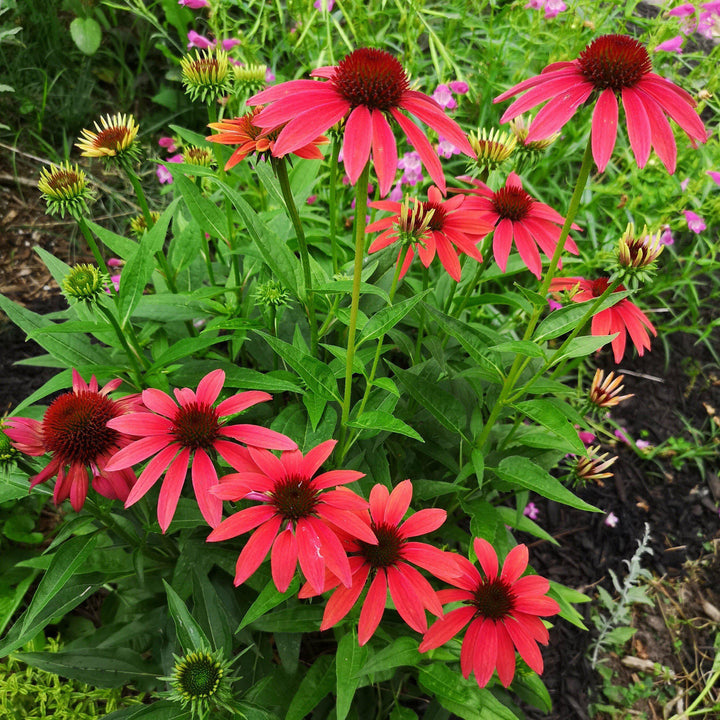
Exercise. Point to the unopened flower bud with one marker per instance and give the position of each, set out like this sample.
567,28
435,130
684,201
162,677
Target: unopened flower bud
605,391
638,250
84,283
206,75
64,189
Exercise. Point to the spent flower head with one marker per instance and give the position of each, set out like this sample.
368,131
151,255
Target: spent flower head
64,189
206,75
115,138
592,466
605,391
84,283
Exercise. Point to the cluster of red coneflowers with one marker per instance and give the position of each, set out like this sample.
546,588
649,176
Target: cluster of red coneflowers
297,514
341,541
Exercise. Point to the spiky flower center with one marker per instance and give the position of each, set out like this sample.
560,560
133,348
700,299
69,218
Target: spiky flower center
512,203
437,215
599,286
614,61
295,498
112,138
371,77
198,675
494,599
75,427
388,550
196,426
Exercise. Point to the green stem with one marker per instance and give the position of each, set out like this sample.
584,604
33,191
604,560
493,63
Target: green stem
517,366
132,354
360,212
333,204
421,325
280,165
470,288
85,230
699,698
139,193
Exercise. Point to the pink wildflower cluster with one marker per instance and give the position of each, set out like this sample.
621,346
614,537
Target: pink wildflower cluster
164,175
703,19
552,8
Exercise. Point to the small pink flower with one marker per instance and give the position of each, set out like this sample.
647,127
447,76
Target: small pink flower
642,444
326,5
396,194
531,511
269,76
694,221
587,438
459,87
443,97
620,435
446,149
714,175
164,176
230,43
554,304
666,238
168,143
411,165
553,8
683,10
115,262
311,199
684,184
195,40
611,520
672,45
194,4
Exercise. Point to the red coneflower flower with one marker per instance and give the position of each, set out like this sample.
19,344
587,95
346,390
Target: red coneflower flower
621,317
250,138
386,563
175,431
502,610
610,65
446,227
74,430
517,216
296,517
367,88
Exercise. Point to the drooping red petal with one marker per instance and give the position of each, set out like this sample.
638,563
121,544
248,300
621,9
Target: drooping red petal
204,476
485,655
448,256
502,242
77,478
663,139
421,588
333,552
343,599
283,559
357,141
407,602
384,151
557,112
638,126
138,451
525,645
438,121
305,127
467,651
256,549
604,128
310,554
416,137
171,488
445,628
373,608
241,522
150,474
566,71
505,656
288,90
527,248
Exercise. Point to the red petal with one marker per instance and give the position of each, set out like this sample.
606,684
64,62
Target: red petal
283,559
406,601
505,656
515,564
487,557
502,242
138,451
256,549
438,121
356,142
384,151
343,599
153,470
314,459
398,503
171,488
446,628
242,522
638,125
373,608
419,141
604,128
141,424
242,401
258,437
204,476
422,522
525,645
485,655
305,127
210,386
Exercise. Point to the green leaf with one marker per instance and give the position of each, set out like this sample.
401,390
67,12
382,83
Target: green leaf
184,348
211,613
160,710
553,420
508,516
12,592
268,598
523,472
205,212
138,270
273,251
520,347
388,318
57,267
119,245
113,667
582,347
315,374
402,651
64,564
70,351
349,658
381,420
86,34
462,697
189,633
566,318
531,689
301,618
317,683
344,287
77,590
443,406
619,635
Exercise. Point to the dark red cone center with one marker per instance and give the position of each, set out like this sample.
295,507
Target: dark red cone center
74,427
512,203
388,549
614,61
437,221
494,600
196,426
371,77
295,498
111,138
